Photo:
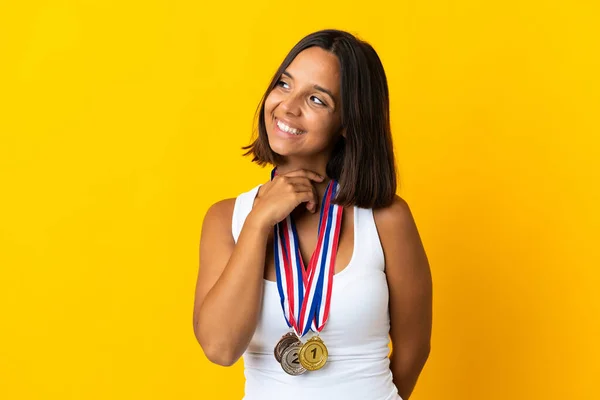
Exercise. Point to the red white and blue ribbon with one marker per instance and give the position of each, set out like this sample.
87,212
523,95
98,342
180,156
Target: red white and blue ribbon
305,293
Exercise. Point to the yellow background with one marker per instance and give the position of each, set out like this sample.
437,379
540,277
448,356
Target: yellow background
121,122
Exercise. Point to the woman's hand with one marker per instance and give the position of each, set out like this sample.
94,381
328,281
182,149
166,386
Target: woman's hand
279,197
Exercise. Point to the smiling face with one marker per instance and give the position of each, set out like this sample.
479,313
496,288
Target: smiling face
303,111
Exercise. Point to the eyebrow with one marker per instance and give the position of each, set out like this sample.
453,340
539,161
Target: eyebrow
320,88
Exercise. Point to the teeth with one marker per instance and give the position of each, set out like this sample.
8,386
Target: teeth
288,129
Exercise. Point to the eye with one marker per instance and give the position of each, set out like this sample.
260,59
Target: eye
281,81
321,102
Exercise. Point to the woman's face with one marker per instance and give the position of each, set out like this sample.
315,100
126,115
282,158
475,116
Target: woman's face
302,112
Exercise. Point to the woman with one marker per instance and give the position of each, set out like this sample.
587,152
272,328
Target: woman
308,275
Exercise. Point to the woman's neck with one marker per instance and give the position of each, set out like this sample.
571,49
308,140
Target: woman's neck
314,166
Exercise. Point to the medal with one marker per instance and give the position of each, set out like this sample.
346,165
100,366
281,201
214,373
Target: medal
290,362
285,341
313,354
305,293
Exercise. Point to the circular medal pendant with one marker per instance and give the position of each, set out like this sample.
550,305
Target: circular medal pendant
285,341
289,360
313,354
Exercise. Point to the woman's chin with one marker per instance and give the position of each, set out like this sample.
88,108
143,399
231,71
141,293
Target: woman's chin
283,149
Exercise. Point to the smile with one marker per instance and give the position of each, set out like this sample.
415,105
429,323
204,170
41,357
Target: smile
288,129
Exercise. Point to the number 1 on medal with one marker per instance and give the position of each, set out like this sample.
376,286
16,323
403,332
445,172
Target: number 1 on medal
316,348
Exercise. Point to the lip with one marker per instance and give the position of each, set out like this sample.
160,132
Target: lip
284,133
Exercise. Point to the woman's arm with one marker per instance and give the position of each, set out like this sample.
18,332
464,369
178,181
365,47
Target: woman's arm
230,278
410,287
230,283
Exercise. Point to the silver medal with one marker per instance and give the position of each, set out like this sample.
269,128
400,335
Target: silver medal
290,362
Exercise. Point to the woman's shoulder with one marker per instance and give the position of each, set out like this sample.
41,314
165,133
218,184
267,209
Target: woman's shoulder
395,223
222,205
397,214
220,211
399,235
223,209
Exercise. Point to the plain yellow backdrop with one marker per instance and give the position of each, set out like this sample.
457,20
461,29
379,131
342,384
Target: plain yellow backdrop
122,122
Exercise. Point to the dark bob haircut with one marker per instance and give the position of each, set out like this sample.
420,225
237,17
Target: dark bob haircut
362,162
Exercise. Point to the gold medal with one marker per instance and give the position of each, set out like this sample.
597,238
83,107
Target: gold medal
285,341
289,360
313,354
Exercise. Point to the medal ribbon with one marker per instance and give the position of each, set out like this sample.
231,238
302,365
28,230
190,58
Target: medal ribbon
305,293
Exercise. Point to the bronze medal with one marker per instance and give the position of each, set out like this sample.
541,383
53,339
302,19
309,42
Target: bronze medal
313,354
289,360
285,341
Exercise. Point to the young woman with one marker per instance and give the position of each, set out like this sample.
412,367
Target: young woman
308,275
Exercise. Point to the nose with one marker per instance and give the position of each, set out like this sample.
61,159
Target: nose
291,105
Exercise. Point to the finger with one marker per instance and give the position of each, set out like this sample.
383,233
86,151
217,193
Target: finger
299,180
303,184
313,204
305,196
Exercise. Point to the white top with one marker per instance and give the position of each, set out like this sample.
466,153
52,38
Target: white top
356,334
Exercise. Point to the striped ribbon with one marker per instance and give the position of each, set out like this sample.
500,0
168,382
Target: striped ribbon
305,293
